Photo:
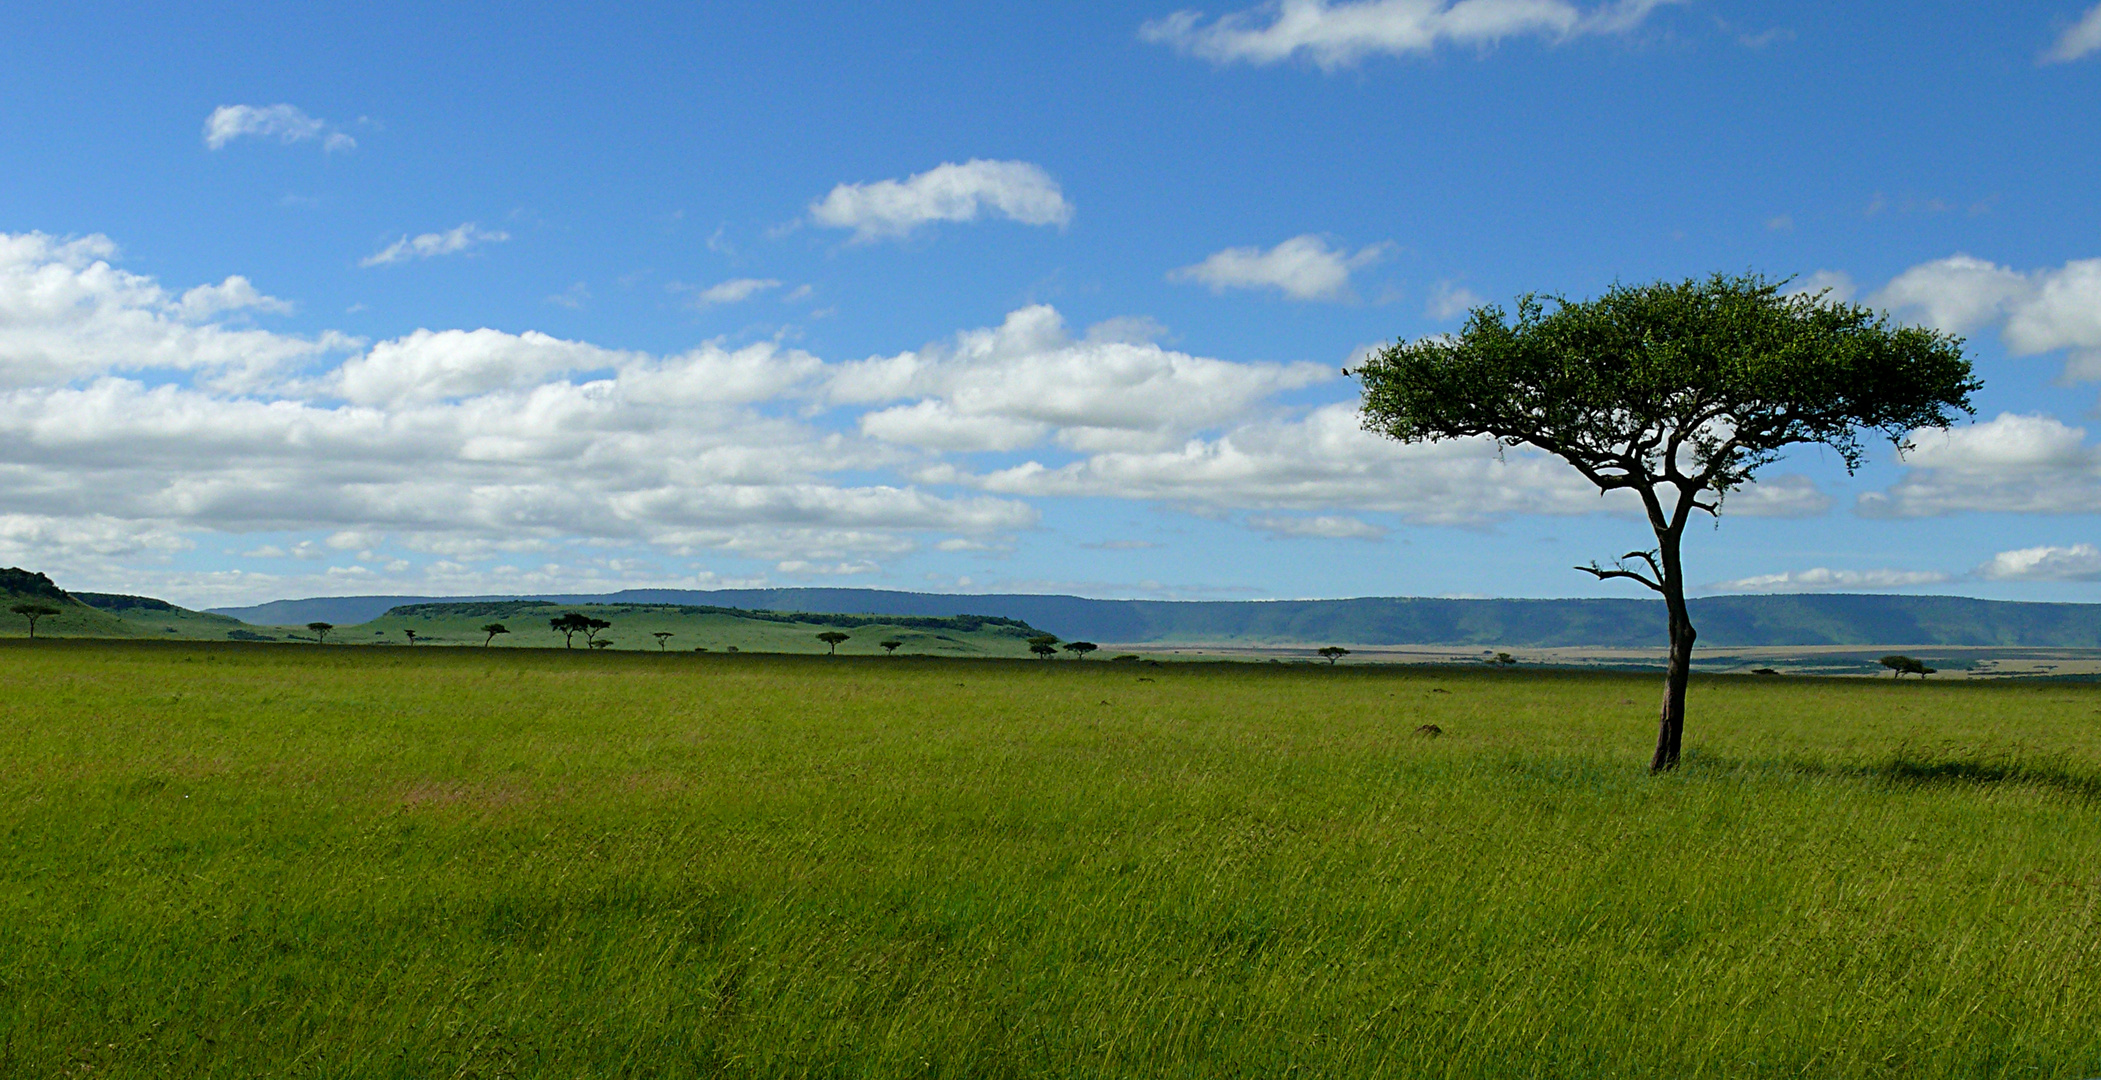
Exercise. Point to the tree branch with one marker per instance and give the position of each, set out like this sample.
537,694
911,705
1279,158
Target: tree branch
1620,570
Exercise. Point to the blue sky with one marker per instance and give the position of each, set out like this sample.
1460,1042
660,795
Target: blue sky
375,298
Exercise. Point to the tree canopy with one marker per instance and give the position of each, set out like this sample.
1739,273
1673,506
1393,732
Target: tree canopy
1678,392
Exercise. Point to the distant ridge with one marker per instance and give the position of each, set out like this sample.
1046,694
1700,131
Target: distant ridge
1724,621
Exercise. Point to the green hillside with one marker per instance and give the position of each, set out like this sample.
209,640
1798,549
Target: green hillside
715,629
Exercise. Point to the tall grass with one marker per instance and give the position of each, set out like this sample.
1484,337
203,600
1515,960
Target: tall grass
283,861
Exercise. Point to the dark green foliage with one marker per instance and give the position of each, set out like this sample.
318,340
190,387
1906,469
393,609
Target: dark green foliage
832,638
1700,381
320,630
890,646
1080,649
27,583
491,630
1333,652
1901,666
33,612
120,604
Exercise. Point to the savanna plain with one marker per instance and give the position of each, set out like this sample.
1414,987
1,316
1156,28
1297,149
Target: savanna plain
245,859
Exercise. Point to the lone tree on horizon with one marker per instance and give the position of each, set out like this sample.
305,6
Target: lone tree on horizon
833,638
1333,653
321,630
1044,646
662,636
33,612
1678,392
1901,665
412,636
1080,649
889,647
492,630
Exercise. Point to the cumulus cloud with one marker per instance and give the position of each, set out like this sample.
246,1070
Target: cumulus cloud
1302,268
427,245
1028,381
1340,34
285,123
2080,39
2035,311
67,313
2079,562
1330,527
1824,579
2012,463
889,209
450,441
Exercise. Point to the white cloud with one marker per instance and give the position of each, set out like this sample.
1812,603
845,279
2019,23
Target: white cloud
2080,39
1015,190
2009,464
66,313
435,365
286,123
734,291
1027,380
1449,301
1336,35
1326,527
2079,562
1302,268
2036,311
450,242
1824,579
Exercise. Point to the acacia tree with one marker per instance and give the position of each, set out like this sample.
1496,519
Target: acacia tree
492,630
890,647
832,638
1080,649
411,634
591,629
662,636
33,612
321,630
569,625
1678,392
1333,652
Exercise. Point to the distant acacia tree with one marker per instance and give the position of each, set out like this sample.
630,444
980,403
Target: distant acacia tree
833,638
890,646
1044,646
492,630
1900,666
1334,652
1080,649
592,628
411,634
569,625
1503,659
321,630
1676,392
662,636
33,612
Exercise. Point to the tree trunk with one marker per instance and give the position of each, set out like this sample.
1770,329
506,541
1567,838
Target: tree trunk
1670,728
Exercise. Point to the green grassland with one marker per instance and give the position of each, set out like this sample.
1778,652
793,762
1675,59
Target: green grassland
238,860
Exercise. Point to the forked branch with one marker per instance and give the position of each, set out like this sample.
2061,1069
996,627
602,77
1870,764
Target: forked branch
1621,570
